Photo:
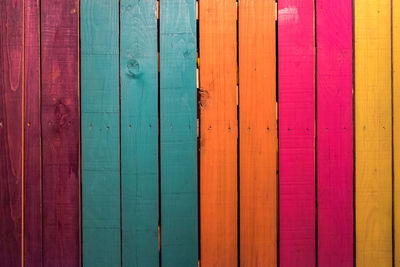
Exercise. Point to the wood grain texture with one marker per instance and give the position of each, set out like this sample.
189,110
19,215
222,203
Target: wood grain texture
334,132
218,133
32,139
60,132
258,133
139,132
373,129
101,228
178,120
296,132
396,126
11,110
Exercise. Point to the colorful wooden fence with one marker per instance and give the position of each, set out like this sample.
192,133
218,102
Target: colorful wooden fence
199,133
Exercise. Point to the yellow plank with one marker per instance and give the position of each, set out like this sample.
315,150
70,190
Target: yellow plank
396,126
373,113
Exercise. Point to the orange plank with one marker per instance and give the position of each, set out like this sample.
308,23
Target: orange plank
218,133
258,135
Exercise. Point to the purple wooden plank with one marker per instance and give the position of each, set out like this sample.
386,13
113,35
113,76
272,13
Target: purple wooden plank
11,87
334,132
296,132
60,131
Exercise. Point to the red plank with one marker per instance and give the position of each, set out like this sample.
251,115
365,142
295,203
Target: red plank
60,131
11,87
296,132
32,140
334,132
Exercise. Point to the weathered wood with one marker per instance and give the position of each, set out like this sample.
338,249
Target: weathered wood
258,133
32,139
139,132
218,133
296,132
60,131
334,132
101,229
178,120
11,132
373,133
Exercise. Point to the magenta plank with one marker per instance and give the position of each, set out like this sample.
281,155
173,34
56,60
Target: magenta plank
334,132
296,133
60,132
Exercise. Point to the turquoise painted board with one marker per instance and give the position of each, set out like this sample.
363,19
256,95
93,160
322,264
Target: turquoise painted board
100,133
139,132
178,117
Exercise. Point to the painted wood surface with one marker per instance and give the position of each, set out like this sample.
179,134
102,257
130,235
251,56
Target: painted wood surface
11,138
101,230
218,133
334,132
178,125
139,132
32,254
396,126
296,132
258,133
373,133
60,132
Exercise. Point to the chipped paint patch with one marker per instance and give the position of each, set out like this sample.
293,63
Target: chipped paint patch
288,15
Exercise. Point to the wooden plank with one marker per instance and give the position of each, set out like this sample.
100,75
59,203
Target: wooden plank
218,133
139,132
373,128
32,139
178,120
396,126
101,225
334,132
11,131
296,132
258,133
60,132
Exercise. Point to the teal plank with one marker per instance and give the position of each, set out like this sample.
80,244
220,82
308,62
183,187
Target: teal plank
100,133
178,117
139,132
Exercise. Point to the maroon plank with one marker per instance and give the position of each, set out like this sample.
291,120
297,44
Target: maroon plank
60,131
11,71
32,161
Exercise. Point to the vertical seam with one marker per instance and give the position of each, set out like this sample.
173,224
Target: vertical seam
238,132
80,136
277,133
41,130
199,134
119,124
354,131
316,128
392,137
158,22
23,134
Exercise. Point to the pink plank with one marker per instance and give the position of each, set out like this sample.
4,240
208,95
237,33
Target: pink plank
32,147
296,132
334,132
